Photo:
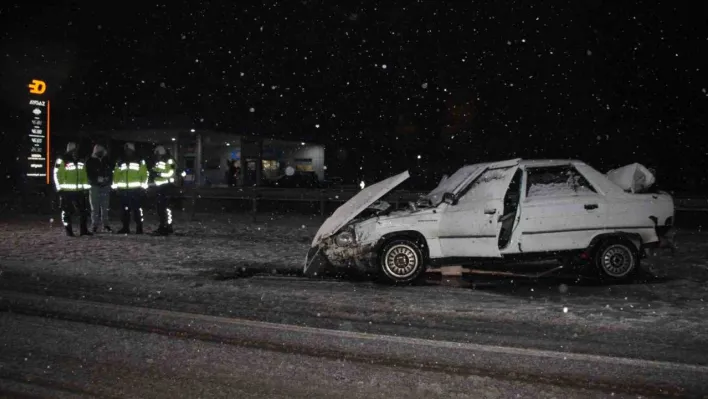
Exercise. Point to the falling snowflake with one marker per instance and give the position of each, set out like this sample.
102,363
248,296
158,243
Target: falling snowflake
251,109
424,85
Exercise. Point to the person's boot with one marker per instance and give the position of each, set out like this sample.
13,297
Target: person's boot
85,231
107,229
139,228
125,219
161,231
95,230
69,231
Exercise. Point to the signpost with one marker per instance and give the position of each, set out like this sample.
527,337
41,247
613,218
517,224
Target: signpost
38,159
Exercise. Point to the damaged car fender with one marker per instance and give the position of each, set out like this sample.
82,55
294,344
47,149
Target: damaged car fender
420,226
334,248
358,245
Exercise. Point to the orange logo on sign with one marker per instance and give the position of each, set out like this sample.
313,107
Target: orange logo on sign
37,87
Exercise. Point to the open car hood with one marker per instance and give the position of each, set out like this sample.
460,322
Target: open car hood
356,205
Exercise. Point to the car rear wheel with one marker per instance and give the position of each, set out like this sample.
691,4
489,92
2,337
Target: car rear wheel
402,261
617,259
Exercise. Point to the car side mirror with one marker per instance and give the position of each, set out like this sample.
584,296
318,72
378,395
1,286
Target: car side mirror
449,198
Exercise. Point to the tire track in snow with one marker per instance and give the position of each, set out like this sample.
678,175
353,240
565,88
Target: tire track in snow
519,364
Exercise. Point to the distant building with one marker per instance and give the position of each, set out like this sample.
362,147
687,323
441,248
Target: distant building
208,157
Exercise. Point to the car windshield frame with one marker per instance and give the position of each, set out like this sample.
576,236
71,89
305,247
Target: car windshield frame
453,183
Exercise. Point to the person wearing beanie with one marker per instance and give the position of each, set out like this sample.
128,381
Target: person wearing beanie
163,177
130,179
100,174
71,182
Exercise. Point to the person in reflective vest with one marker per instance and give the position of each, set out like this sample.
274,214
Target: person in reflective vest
163,174
71,182
130,179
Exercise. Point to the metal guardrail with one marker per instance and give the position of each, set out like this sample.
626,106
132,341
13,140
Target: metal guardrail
691,204
325,196
321,196
256,194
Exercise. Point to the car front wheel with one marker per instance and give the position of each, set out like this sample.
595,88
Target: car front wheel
401,261
617,260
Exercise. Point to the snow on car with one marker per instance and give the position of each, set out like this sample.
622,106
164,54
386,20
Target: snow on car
513,210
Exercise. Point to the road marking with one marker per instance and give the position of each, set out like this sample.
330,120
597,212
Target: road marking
110,309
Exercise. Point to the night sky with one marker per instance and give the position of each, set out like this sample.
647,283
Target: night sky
455,82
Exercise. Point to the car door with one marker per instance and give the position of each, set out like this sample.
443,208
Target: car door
469,228
561,210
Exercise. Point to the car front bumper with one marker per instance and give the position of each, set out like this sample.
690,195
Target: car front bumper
360,257
328,255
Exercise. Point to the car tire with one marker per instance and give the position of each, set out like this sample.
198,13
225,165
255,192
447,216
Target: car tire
401,261
617,260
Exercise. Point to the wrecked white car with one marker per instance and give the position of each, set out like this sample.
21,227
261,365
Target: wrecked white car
503,211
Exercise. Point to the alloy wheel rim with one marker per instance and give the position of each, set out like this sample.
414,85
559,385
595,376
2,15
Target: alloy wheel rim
617,261
401,261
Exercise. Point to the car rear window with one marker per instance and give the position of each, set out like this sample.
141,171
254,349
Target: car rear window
556,181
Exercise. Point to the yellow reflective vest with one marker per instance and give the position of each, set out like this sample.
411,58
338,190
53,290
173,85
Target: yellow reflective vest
130,175
164,172
70,176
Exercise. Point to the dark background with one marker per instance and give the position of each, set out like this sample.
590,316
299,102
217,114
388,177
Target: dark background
607,82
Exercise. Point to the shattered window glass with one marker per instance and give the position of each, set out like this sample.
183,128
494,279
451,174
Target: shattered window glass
556,181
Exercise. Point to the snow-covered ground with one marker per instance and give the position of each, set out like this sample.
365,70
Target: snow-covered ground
229,241
47,360
206,259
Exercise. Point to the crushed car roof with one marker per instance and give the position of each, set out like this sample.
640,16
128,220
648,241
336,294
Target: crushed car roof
550,162
599,180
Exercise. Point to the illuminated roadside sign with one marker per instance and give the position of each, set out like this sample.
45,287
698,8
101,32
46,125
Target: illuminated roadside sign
37,87
38,158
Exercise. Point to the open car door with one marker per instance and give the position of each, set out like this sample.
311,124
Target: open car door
470,227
